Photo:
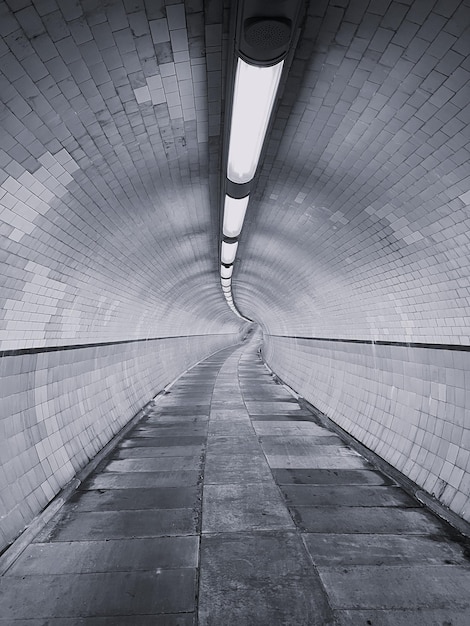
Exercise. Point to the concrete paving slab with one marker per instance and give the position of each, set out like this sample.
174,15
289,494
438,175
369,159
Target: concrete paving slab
272,407
233,508
227,428
180,478
124,555
153,464
176,420
298,428
96,525
181,619
220,444
375,520
193,452
161,430
299,416
344,496
361,549
162,441
232,415
278,461
237,469
259,579
398,587
305,447
116,593
330,477
135,499
423,617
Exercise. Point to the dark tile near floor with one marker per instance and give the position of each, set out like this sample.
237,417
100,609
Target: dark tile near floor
380,520
160,441
153,464
397,587
330,477
133,480
124,555
136,499
96,525
103,594
371,549
181,619
344,496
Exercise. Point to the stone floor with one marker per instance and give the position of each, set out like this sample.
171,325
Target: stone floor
229,505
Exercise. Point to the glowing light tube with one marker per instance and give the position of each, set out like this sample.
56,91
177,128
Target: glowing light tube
253,101
229,251
234,214
226,272
225,282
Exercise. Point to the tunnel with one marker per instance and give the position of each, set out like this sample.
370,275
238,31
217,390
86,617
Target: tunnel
348,295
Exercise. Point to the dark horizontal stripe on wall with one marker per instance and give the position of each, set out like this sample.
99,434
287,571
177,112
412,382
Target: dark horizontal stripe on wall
402,344
80,346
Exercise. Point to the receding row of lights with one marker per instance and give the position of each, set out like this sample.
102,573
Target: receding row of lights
254,96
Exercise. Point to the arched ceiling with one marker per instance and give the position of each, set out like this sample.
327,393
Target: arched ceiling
110,131
111,123
360,225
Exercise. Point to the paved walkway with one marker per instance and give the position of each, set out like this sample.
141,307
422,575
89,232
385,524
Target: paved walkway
228,505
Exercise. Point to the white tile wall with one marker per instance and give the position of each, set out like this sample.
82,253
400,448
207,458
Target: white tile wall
409,405
59,408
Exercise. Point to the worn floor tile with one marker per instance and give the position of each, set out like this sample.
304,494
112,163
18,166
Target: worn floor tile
106,594
259,579
232,508
131,499
398,587
123,555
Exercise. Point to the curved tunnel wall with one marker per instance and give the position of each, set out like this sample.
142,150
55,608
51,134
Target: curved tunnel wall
360,233
108,237
60,407
407,404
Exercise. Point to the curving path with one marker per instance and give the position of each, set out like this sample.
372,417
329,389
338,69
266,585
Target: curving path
228,504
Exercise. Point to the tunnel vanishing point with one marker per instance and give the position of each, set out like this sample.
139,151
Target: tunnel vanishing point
306,283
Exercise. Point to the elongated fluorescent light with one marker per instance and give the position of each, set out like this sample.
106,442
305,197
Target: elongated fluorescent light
226,272
253,101
225,281
229,250
234,214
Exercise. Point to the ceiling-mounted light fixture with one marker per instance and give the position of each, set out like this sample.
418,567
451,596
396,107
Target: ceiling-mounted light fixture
234,214
228,252
264,35
253,102
226,272
225,282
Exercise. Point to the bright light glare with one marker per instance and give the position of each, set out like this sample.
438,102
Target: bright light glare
234,214
229,250
226,272
253,101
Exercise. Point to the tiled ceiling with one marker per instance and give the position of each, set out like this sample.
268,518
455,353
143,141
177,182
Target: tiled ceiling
110,127
361,224
111,120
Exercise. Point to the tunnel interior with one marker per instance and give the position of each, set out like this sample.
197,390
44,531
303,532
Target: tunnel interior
353,261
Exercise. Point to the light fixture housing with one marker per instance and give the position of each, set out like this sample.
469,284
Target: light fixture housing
228,252
234,215
226,272
253,101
